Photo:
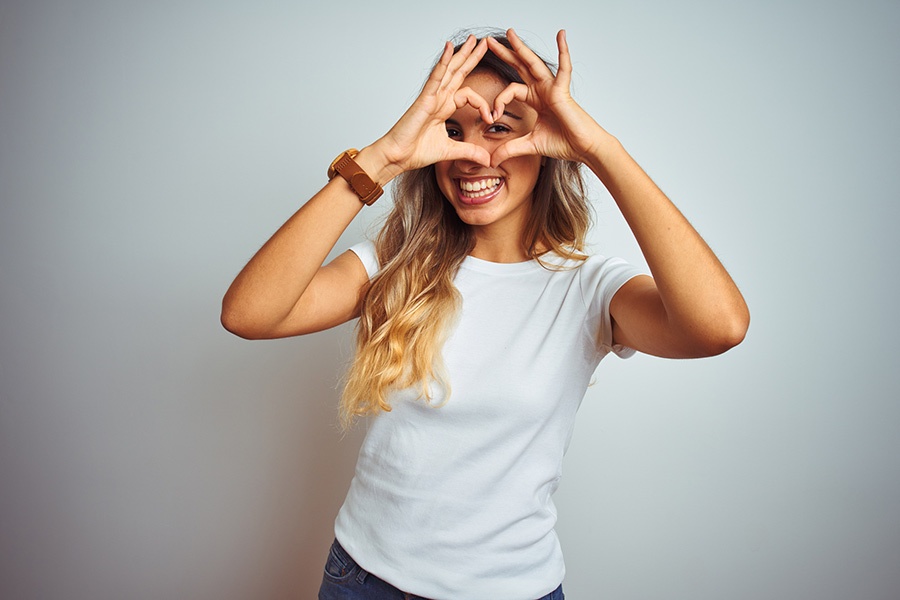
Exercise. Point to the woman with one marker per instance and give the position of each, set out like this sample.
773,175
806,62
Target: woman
481,321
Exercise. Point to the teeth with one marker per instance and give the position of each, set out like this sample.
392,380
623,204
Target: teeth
482,187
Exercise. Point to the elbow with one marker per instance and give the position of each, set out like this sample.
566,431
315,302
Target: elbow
729,331
236,322
730,338
253,323
739,324
232,324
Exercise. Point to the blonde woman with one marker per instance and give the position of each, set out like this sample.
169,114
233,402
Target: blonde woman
481,320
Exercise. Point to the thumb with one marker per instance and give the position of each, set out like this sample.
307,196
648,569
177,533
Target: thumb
517,147
470,152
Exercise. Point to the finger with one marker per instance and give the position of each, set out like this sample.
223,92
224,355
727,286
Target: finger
510,58
536,67
469,96
513,91
470,152
476,56
522,146
459,58
469,63
437,73
564,73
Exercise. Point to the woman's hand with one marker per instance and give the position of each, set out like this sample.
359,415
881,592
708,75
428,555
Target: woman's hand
563,129
420,138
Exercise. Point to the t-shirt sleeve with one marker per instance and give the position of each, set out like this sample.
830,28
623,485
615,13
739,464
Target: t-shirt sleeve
601,279
366,253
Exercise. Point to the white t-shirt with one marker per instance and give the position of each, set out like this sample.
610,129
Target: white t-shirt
454,501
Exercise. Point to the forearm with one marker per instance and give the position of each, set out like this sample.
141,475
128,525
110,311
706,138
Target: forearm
272,294
701,300
272,283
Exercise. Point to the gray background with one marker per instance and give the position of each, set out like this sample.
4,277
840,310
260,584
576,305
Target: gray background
147,150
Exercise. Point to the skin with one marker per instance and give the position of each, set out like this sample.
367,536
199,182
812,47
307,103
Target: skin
499,217
690,307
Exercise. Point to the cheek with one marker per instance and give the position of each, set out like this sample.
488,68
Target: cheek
442,173
526,170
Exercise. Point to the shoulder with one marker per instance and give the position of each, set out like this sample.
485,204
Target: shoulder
602,276
366,253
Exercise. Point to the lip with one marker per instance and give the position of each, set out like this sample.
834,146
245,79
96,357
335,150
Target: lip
481,199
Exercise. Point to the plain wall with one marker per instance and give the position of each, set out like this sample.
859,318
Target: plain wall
148,149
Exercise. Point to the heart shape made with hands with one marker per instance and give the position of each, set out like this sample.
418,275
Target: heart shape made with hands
513,93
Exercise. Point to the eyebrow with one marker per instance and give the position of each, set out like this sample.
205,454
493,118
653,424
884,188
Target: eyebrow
506,113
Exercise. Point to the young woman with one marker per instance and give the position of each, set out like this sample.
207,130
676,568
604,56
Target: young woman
481,320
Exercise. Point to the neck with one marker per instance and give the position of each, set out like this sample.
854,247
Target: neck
504,248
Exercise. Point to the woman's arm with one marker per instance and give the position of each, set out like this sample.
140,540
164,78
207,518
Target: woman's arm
690,307
284,290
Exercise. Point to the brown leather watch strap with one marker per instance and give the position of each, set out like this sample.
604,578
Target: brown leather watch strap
360,182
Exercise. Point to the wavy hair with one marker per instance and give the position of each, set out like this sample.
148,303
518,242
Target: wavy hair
411,304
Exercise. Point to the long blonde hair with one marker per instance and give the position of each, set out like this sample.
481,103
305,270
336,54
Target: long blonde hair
410,305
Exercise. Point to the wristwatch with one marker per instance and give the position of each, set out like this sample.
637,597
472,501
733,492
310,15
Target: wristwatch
360,182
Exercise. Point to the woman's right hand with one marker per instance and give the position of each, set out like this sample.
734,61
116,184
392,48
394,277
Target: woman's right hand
420,137
284,290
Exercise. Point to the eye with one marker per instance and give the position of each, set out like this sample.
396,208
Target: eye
498,128
453,132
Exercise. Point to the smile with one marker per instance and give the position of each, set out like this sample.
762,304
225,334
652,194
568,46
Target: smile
479,189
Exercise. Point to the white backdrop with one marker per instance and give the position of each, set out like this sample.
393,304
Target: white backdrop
148,149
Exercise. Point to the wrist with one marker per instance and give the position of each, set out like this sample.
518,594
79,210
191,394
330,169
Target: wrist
603,153
376,164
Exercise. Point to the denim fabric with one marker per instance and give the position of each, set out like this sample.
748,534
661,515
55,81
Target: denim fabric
346,580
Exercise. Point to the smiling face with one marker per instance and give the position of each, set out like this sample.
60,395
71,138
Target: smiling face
494,199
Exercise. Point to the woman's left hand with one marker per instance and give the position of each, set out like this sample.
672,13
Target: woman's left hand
563,129
691,306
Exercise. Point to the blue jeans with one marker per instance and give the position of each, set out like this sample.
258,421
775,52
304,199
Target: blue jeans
346,580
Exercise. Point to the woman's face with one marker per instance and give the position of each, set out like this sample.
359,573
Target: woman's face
498,197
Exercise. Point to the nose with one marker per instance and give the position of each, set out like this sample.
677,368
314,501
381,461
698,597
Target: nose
468,166
478,139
